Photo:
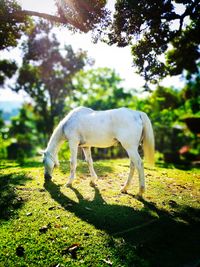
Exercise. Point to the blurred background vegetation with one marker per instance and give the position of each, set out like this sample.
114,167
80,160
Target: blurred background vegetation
58,80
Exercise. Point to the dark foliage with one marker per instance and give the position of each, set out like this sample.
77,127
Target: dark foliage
7,70
150,26
11,28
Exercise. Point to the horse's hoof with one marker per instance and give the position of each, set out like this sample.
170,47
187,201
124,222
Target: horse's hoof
141,191
68,185
123,191
47,177
92,184
139,197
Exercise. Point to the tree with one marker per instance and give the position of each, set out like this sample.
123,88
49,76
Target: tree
100,89
46,73
2,124
153,24
3,146
151,28
165,107
79,14
191,94
7,70
11,30
24,134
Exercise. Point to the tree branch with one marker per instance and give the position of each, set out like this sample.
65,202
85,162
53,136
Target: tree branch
188,12
52,18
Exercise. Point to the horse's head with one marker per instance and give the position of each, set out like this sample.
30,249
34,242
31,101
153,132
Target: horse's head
49,164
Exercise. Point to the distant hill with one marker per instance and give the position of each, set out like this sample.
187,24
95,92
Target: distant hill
10,109
8,106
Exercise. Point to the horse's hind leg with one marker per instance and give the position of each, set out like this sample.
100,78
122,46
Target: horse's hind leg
136,159
128,181
88,158
138,164
73,161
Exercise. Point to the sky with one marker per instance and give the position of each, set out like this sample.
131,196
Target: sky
105,56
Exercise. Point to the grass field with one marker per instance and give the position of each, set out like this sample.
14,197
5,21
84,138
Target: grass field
47,224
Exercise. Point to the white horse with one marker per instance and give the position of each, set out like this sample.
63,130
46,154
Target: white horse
86,128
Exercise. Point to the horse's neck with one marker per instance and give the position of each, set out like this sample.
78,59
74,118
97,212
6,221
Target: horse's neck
55,141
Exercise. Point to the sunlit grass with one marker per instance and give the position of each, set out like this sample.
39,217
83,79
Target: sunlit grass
47,224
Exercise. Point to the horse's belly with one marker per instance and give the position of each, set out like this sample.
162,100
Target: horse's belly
96,132
98,141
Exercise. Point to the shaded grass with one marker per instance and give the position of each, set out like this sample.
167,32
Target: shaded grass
9,199
106,227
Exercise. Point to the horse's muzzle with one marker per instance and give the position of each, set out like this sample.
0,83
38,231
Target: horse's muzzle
47,177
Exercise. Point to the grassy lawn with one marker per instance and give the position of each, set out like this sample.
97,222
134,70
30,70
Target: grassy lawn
47,224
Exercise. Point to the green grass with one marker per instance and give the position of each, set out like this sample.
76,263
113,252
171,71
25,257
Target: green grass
47,224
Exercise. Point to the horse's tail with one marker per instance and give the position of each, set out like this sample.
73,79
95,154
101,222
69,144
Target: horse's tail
148,139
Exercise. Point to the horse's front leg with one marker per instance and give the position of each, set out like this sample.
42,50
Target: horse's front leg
88,158
73,161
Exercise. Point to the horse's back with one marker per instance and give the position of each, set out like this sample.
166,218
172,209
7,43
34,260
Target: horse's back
103,128
75,114
79,111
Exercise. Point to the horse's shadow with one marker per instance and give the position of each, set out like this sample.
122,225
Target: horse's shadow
156,233
112,218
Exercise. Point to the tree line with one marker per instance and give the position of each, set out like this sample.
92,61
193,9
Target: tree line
56,78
